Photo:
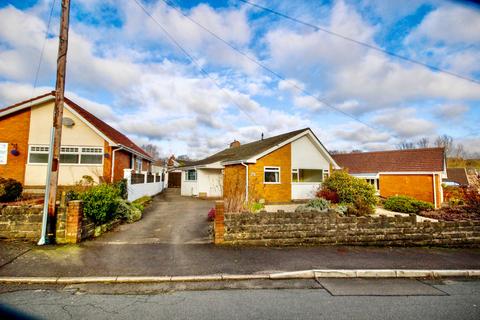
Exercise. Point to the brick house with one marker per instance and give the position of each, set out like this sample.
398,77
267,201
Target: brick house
278,169
416,172
89,146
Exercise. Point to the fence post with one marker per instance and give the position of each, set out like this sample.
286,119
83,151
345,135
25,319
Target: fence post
145,178
219,223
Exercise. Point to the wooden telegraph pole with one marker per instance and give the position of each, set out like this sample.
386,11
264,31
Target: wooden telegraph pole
57,119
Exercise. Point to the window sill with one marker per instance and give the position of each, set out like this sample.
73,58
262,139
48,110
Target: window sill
272,183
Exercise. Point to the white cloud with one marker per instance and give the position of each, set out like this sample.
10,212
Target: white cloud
404,123
449,24
356,134
451,111
346,71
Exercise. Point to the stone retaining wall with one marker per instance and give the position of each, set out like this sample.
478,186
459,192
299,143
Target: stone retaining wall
315,228
20,222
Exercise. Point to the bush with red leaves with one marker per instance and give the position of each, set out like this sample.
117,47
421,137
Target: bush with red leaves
472,200
329,195
211,214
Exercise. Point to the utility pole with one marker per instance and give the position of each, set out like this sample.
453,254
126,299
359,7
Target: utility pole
53,165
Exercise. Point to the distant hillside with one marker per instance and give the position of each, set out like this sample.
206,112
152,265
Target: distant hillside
462,163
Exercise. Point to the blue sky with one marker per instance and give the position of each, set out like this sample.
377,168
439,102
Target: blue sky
124,69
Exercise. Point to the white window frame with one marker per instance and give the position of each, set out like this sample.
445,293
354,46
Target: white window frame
139,162
186,175
5,144
272,169
80,151
297,171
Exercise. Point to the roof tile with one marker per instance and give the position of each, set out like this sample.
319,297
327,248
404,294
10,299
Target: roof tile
427,159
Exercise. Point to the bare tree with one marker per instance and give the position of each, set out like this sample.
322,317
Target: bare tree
423,143
404,145
152,150
459,151
446,142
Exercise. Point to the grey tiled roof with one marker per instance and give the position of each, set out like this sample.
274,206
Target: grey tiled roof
248,150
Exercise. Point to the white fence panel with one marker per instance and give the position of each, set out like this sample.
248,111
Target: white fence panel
138,190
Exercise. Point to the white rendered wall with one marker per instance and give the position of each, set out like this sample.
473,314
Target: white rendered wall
188,188
210,181
79,135
306,155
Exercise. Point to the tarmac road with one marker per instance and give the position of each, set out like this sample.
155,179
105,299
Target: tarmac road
334,299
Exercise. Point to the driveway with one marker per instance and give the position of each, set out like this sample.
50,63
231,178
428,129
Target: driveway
170,219
172,239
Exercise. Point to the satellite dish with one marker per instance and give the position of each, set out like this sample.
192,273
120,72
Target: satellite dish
67,122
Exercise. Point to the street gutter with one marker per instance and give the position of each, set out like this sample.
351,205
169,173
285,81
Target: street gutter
303,274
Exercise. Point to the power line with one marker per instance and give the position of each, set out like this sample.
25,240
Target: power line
372,47
263,66
195,61
43,47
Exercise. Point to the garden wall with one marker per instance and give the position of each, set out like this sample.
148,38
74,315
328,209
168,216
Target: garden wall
25,222
20,222
315,228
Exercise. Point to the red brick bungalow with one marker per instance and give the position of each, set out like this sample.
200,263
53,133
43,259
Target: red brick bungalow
89,145
417,172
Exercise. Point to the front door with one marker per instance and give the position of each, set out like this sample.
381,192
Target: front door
174,179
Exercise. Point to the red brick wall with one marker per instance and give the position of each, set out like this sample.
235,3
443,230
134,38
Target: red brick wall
15,128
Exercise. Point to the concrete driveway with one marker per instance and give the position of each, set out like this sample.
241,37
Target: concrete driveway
170,219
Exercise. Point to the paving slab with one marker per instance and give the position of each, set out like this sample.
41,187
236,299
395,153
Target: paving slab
378,287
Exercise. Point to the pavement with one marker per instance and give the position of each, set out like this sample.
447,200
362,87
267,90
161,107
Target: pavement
300,299
172,239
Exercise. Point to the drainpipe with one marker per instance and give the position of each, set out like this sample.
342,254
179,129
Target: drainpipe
113,162
246,181
434,191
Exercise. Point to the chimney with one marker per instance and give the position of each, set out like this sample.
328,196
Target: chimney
235,144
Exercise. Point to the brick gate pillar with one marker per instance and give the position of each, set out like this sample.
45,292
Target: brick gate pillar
219,223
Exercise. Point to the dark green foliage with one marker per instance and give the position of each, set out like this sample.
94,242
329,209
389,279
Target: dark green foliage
72,195
129,211
407,204
349,188
122,188
360,208
100,203
10,190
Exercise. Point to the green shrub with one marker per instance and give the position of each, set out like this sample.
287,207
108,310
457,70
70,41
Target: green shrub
407,204
349,188
142,202
122,188
360,208
100,202
319,204
128,211
254,206
10,190
72,195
